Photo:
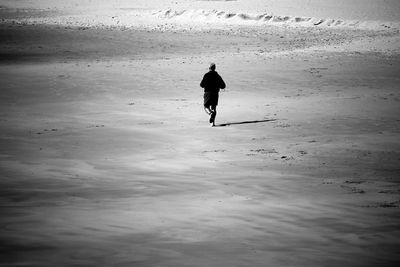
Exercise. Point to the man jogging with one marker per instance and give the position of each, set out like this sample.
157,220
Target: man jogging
211,83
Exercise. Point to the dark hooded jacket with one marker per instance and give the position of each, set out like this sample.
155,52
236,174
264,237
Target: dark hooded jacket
212,82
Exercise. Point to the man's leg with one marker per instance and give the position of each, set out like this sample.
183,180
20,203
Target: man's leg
213,114
207,110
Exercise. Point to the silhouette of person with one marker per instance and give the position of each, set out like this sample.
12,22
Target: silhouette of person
212,83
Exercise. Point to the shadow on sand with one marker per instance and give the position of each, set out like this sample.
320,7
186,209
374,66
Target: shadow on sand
242,122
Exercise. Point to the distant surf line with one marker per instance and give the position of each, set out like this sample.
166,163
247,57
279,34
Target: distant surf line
201,15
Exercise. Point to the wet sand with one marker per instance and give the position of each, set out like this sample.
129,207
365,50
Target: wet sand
107,158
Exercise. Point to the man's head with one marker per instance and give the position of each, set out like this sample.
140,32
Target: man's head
212,66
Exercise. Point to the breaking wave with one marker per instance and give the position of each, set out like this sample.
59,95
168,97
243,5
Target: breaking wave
222,17
198,19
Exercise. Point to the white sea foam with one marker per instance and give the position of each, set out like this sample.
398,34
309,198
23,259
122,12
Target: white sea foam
358,14
199,18
239,18
361,10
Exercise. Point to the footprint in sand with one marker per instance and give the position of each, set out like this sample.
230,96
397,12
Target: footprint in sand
282,126
214,151
302,152
353,189
316,71
385,204
47,130
264,151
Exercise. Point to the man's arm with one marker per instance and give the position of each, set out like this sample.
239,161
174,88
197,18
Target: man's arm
203,82
222,84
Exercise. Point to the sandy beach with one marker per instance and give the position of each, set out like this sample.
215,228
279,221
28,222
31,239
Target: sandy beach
107,157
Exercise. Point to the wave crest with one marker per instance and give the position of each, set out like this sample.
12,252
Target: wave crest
215,16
